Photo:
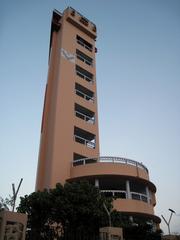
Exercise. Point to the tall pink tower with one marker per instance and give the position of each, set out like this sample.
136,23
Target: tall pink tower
69,146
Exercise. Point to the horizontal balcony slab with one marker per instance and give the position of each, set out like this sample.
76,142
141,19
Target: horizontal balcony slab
108,159
87,104
85,125
81,22
85,150
131,205
143,216
96,167
90,85
110,168
86,67
136,208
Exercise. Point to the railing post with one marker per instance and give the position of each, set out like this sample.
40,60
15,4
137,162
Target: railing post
128,189
97,183
147,194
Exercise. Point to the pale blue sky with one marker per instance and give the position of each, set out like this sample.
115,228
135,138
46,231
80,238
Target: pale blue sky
138,79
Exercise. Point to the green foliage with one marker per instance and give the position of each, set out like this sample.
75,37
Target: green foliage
138,229
75,210
37,206
141,232
6,203
77,207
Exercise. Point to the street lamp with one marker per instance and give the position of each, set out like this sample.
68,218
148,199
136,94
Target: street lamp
15,193
108,213
109,218
168,222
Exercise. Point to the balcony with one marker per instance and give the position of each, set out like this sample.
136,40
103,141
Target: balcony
84,114
82,73
123,194
77,156
139,196
113,167
84,58
83,137
84,43
119,160
81,22
124,188
84,21
84,93
114,193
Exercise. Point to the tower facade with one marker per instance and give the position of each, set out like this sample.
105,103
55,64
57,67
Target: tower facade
69,146
70,122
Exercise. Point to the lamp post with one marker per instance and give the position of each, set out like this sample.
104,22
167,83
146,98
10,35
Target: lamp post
109,218
170,217
15,193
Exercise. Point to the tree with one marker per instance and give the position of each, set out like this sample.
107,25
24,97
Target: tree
139,228
37,206
85,206
141,232
71,210
76,211
6,204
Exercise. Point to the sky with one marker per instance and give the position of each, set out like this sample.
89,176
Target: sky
138,82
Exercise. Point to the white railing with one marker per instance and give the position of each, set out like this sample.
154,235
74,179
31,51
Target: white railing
139,196
84,141
85,117
85,96
123,194
115,193
84,60
119,160
84,45
84,76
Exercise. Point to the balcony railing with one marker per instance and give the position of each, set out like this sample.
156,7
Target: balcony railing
88,62
85,117
117,160
84,58
123,194
80,74
85,96
115,193
139,196
84,141
79,41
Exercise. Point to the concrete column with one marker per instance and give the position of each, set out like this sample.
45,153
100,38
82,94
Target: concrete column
147,194
128,189
97,183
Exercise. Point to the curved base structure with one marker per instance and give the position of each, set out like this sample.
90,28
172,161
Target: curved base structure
124,179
